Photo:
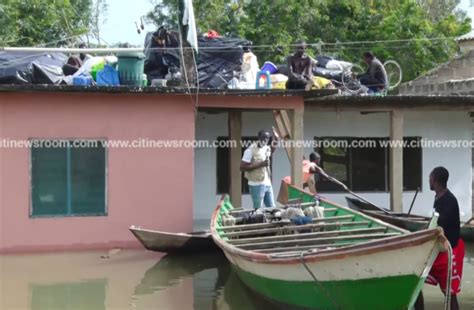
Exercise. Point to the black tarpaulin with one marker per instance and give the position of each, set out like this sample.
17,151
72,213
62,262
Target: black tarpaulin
31,68
217,59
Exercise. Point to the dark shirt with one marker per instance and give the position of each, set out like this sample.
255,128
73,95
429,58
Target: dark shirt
376,70
448,209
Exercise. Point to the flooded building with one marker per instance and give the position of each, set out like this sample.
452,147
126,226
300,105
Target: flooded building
112,174
438,131
65,186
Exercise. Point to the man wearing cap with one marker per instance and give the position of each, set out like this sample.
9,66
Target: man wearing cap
256,166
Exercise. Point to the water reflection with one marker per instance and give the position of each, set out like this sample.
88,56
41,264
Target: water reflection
82,295
143,280
215,286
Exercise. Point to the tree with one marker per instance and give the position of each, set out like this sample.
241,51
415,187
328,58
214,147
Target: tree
99,10
403,30
39,22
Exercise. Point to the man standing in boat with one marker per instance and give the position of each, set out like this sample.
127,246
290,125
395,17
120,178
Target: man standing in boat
256,166
447,207
310,167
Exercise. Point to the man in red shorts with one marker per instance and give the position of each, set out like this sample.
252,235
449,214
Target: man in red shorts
447,207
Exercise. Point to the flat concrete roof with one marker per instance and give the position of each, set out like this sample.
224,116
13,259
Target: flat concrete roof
164,90
389,103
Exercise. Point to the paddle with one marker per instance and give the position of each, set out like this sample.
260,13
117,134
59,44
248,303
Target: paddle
330,178
413,201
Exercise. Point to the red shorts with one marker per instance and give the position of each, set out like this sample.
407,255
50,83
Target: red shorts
439,271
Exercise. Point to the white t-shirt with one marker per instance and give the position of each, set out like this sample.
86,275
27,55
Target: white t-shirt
263,151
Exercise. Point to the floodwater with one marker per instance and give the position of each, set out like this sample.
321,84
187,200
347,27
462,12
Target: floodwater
139,279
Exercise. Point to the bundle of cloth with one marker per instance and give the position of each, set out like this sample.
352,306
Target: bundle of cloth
330,68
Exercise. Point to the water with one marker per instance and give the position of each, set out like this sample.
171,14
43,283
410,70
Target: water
139,279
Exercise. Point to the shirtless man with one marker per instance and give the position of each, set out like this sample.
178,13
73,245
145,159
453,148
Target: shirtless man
300,69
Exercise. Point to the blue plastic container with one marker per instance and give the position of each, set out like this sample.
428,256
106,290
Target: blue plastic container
83,80
270,67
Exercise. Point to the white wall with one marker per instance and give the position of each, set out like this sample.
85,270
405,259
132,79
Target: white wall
429,125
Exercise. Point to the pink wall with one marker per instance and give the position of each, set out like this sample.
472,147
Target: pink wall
151,188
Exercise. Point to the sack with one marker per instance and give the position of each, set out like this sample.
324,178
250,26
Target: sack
253,218
107,76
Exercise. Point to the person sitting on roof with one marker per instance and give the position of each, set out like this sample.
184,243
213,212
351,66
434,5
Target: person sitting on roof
375,78
300,69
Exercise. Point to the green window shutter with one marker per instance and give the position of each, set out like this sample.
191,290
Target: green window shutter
49,181
87,180
68,180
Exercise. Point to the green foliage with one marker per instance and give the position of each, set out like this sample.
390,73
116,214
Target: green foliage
428,27
36,22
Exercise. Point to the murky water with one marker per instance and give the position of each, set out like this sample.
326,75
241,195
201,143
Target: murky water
138,279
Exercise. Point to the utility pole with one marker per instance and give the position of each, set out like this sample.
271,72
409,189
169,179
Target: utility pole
188,65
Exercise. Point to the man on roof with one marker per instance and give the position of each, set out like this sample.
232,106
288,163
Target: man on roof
375,78
300,68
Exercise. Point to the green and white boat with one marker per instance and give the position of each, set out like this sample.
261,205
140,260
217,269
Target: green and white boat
342,260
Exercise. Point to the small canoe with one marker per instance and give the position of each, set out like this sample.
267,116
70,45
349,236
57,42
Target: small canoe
167,242
343,260
402,220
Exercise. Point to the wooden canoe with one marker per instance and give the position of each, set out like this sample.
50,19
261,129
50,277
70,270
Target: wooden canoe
335,262
167,242
402,220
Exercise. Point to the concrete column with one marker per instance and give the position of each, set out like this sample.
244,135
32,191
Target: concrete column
396,161
235,156
297,152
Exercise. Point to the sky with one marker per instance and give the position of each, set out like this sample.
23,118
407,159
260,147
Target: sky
468,6
120,23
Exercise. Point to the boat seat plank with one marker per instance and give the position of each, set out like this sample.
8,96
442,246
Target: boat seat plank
272,209
256,232
281,223
293,249
308,235
270,244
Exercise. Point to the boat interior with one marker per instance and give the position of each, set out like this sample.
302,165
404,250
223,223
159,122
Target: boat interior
336,226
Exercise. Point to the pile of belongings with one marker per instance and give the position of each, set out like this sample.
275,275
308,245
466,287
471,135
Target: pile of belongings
330,68
278,75
57,68
218,59
327,71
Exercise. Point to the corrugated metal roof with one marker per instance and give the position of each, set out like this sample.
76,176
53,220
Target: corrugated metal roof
467,36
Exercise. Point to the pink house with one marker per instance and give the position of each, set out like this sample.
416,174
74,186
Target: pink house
73,197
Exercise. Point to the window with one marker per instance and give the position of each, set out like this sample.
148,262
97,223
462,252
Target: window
365,169
68,178
223,167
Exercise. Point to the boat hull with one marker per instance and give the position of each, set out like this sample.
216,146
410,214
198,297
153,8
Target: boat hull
364,281
166,242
